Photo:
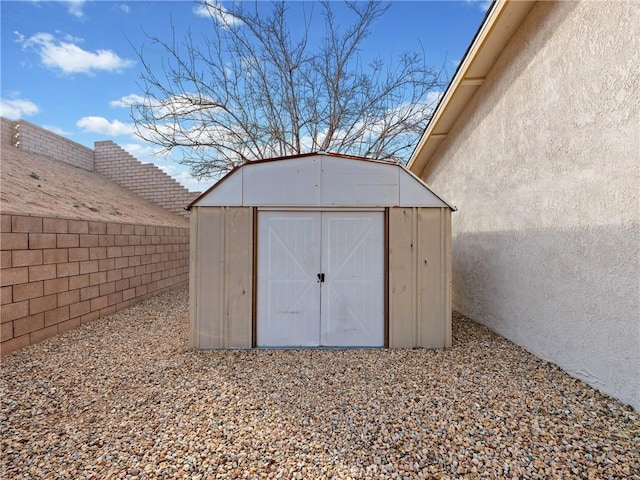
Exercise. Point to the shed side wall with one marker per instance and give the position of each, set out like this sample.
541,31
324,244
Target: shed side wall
194,275
222,272
239,277
434,297
544,166
402,278
419,277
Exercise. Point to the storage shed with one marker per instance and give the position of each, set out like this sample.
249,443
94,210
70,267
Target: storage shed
320,250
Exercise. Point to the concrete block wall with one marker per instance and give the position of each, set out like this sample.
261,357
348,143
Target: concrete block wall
33,139
57,273
108,159
145,180
6,136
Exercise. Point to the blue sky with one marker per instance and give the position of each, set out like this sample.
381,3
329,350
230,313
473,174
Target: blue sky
69,66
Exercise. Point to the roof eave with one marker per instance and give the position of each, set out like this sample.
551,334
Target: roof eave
502,20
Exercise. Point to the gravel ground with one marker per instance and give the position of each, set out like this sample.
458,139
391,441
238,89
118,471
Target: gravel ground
123,397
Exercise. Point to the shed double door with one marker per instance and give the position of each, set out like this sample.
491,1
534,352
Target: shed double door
320,279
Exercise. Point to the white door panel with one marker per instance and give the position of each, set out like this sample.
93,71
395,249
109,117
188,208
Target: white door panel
352,297
347,309
288,292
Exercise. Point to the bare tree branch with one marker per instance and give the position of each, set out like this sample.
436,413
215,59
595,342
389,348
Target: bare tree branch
251,89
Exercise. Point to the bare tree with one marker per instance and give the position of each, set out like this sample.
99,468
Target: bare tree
252,89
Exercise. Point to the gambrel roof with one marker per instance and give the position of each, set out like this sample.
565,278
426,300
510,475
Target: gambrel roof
320,180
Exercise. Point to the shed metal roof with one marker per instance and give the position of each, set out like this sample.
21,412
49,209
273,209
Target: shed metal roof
320,180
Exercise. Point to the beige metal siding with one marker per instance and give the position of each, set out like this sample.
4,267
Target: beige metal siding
194,283
435,286
419,277
221,277
402,278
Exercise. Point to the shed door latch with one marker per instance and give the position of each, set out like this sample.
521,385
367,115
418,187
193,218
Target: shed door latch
321,278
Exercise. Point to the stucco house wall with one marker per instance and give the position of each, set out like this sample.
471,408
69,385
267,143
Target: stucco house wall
544,166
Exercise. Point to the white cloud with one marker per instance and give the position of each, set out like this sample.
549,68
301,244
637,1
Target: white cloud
57,130
433,98
481,4
167,162
16,108
144,153
126,101
66,56
70,38
125,8
74,7
105,127
185,178
213,9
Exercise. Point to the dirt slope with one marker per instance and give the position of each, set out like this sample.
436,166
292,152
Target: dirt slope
37,185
